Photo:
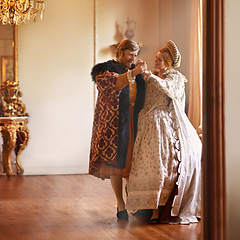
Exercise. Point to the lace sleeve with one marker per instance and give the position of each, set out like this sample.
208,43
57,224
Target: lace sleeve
172,84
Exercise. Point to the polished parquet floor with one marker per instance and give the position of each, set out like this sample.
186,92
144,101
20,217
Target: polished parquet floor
73,207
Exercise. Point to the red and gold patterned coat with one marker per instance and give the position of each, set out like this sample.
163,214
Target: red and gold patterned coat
104,142
110,132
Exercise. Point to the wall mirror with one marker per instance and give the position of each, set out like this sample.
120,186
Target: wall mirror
10,90
6,53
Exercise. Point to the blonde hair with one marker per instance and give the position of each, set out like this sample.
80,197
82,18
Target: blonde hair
167,57
126,44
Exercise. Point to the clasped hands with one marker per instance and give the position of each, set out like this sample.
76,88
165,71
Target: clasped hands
141,67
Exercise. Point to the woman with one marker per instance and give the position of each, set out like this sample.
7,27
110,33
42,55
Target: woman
166,165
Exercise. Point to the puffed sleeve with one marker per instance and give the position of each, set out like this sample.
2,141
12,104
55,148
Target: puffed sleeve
106,83
173,84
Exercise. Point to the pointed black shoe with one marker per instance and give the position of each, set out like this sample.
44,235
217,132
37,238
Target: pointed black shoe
123,215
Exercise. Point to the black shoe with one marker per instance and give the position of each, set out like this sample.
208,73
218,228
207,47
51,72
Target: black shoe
143,212
123,215
154,221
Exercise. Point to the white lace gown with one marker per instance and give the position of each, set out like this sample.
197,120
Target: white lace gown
167,150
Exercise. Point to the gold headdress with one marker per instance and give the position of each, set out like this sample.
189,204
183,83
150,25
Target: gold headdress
176,56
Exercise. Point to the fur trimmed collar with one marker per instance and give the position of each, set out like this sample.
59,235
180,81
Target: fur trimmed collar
111,66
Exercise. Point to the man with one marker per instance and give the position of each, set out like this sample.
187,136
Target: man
121,92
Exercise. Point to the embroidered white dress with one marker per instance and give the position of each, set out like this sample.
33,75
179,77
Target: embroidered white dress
167,150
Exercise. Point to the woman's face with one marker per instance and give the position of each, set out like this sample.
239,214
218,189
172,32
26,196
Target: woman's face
159,62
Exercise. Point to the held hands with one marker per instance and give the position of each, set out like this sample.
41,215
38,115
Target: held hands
140,67
147,73
129,76
143,66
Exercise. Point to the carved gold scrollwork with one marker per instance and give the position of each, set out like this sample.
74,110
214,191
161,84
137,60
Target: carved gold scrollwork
15,137
9,141
23,135
11,93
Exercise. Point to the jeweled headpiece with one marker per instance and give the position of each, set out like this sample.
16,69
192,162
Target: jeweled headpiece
176,56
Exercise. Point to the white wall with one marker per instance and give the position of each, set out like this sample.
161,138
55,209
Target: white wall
175,24
175,19
232,116
55,59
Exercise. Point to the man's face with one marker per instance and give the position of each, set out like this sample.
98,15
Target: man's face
127,57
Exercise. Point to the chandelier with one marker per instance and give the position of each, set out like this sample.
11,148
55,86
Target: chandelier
19,11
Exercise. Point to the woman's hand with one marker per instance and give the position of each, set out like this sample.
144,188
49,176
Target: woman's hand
139,61
140,67
147,73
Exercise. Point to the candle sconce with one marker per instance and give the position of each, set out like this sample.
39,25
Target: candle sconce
129,33
131,26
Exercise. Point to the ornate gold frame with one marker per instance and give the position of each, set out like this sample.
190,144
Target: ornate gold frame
10,89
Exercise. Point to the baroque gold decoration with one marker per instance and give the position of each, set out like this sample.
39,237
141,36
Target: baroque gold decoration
131,26
11,93
15,137
19,11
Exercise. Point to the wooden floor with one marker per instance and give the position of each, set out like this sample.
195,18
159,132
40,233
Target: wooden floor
73,207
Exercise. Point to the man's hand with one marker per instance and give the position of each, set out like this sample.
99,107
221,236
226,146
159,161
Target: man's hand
140,67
